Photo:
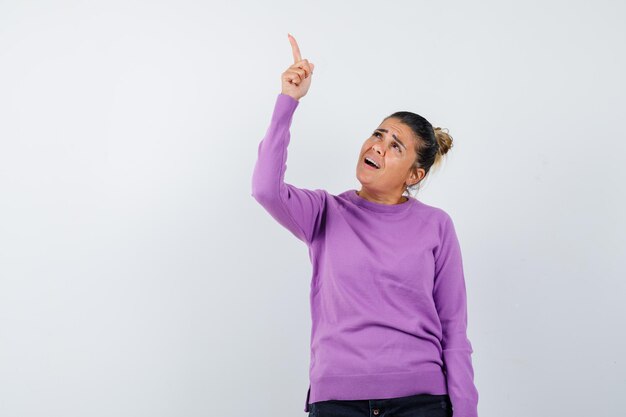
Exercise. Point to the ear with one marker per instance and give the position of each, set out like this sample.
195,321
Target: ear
416,175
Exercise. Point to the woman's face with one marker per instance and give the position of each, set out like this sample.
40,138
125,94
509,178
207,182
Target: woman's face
392,147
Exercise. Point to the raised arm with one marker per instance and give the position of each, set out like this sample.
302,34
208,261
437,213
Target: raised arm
450,297
298,209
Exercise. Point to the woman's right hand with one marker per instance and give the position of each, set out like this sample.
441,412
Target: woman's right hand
296,80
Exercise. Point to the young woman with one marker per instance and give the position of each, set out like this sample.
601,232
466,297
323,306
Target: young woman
388,297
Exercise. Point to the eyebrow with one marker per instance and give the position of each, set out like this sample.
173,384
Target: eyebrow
394,136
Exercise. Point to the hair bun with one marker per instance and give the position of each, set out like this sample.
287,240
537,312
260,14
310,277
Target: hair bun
443,139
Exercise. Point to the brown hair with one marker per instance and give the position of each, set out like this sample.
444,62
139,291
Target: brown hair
431,144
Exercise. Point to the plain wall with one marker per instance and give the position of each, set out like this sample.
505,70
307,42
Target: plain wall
139,277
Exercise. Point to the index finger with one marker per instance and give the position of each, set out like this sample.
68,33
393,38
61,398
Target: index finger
294,49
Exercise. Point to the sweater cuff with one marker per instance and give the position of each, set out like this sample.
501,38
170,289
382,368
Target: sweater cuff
288,97
285,107
464,409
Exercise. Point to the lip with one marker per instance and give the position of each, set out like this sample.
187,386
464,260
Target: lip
369,166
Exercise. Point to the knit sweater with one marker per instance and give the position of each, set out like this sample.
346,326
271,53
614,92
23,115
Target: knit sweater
387,293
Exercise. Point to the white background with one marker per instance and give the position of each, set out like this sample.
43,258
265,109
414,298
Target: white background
139,277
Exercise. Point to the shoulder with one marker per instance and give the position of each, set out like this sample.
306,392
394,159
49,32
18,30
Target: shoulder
436,215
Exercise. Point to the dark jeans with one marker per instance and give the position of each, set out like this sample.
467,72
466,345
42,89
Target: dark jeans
421,405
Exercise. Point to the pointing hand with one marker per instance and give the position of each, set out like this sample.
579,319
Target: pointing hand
296,80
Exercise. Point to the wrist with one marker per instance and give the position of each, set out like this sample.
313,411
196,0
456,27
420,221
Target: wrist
295,98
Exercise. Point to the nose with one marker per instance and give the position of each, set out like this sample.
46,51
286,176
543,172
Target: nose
375,148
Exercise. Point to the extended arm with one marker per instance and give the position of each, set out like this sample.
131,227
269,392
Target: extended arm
297,209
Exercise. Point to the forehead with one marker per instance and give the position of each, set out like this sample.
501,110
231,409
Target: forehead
402,131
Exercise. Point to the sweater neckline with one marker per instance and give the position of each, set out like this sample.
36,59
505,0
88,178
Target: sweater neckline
380,207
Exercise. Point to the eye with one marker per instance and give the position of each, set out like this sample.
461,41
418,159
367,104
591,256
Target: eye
398,148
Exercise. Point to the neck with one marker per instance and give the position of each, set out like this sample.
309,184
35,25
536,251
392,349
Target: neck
380,198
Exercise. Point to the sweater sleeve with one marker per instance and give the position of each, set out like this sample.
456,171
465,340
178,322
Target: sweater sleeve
297,209
449,293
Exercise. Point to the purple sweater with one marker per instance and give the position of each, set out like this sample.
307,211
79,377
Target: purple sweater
388,298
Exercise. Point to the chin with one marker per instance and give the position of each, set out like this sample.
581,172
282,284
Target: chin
359,177
363,176
364,184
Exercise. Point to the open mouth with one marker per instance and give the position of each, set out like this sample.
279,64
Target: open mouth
371,163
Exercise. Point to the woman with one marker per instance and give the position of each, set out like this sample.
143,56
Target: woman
388,299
